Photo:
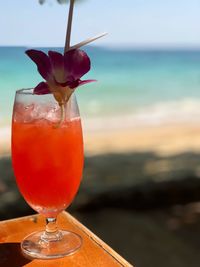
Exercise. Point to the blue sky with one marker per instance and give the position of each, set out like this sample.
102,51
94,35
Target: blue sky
171,23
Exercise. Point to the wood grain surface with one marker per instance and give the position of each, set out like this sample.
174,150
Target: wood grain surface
93,253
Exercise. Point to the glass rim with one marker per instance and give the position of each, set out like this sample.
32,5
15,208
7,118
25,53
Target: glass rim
25,91
29,91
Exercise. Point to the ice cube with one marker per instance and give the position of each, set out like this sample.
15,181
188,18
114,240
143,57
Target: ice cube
53,113
23,113
37,112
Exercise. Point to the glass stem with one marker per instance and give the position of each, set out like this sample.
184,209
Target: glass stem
51,232
51,225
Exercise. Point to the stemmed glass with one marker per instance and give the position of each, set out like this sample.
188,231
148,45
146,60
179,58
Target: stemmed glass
47,156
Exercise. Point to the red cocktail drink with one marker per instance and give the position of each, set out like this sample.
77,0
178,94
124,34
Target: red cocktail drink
48,162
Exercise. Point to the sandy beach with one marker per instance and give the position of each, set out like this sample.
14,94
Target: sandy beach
163,140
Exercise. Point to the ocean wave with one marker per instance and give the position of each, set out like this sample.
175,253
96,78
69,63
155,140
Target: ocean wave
186,110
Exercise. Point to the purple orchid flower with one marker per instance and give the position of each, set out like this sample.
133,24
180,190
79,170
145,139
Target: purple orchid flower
61,72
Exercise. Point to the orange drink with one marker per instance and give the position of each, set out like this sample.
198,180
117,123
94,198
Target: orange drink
48,163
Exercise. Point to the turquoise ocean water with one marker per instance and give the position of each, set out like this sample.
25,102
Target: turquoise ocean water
129,82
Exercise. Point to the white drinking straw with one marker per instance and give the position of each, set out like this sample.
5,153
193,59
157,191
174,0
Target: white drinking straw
69,29
87,41
69,26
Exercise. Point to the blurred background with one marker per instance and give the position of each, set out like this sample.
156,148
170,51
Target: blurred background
141,120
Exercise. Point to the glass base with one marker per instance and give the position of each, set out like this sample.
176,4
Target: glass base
35,246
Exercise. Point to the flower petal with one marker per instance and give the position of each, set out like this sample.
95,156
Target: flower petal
42,61
57,62
77,63
86,81
75,84
42,89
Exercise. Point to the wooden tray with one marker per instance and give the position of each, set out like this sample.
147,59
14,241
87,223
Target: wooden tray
93,253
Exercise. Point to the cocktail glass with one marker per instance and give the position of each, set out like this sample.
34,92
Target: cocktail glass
47,156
